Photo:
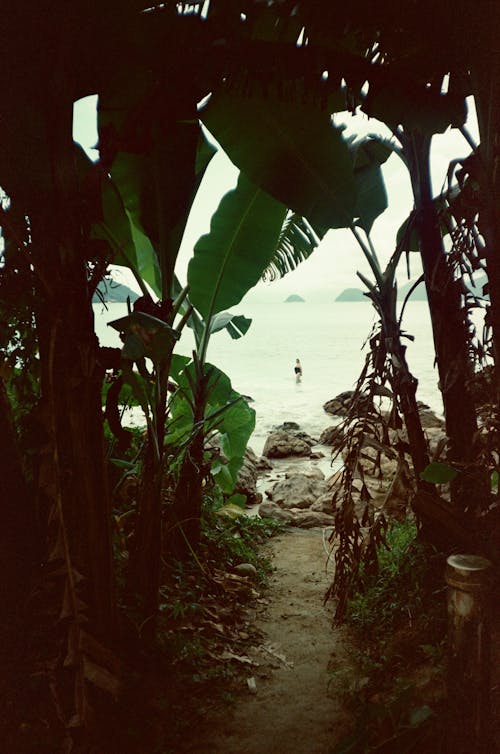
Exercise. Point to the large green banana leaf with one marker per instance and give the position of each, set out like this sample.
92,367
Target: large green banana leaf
156,154
230,259
371,196
293,151
414,108
131,247
227,412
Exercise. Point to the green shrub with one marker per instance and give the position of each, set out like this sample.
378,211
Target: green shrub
385,597
229,541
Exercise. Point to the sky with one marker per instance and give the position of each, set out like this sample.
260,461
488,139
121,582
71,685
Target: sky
333,265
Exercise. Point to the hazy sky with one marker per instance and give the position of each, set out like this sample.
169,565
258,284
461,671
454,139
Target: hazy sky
332,266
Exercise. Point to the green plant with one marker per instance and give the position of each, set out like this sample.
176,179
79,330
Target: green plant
394,591
399,725
233,540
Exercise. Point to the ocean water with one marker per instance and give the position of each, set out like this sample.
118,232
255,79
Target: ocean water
328,338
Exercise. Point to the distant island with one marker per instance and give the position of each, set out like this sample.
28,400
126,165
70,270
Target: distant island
356,294
351,294
419,294
113,293
294,297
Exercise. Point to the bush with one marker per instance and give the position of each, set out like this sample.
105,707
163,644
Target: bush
396,590
229,541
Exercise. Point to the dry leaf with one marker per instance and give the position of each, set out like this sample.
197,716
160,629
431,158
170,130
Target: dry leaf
101,677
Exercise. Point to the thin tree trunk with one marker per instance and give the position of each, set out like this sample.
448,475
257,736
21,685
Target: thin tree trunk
449,325
18,530
71,377
189,491
145,561
405,385
486,86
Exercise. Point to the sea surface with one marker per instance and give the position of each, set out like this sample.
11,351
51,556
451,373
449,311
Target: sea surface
328,338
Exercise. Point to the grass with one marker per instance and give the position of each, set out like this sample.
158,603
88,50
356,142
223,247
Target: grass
398,618
237,540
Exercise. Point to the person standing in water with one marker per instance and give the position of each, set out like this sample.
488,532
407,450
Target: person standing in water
298,370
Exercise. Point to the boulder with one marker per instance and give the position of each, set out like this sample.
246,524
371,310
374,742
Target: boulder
429,419
372,459
289,426
246,569
297,491
305,519
246,483
269,509
281,444
309,519
323,504
331,436
341,404
294,429
313,472
435,436
317,454
263,464
377,489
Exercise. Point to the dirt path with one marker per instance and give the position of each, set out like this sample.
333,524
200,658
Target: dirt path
295,706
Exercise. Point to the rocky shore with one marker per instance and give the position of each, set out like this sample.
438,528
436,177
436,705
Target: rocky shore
294,481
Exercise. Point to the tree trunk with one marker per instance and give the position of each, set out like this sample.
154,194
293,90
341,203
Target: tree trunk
189,491
18,531
188,500
486,85
449,324
145,560
405,385
71,376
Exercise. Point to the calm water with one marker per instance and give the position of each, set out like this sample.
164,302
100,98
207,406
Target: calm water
328,339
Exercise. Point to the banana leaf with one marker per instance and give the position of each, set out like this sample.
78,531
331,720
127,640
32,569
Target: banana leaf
293,151
230,259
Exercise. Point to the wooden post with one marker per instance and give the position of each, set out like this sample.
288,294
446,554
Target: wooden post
468,579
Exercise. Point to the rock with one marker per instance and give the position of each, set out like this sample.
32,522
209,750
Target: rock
388,466
311,473
331,436
245,569
269,509
287,426
281,444
309,519
295,429
324,504
435,436
246,483
430,420
305,519
334,480
341,404
377,489
297,491
263,464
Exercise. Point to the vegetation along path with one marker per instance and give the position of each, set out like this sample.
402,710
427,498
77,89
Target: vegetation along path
291,701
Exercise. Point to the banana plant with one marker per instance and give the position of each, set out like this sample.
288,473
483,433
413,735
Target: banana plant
204,405
152,165
245,231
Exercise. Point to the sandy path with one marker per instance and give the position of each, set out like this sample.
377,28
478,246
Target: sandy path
295,709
